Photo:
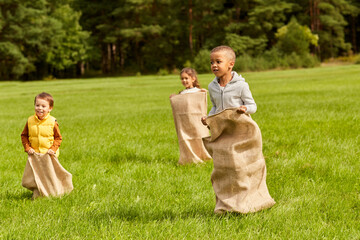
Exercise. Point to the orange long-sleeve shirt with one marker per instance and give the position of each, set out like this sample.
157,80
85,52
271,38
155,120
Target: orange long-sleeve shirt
57,138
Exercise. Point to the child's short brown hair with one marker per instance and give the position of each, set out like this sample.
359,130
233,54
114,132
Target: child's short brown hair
47,97
229,52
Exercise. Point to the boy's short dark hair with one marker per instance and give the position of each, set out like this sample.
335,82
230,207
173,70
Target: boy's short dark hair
47,97
229,51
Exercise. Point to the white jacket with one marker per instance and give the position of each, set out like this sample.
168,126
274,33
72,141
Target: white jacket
234,94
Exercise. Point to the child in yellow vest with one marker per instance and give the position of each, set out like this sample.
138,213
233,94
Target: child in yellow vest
41,133
41,136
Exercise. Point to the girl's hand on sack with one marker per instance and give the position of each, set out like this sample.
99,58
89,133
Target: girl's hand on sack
242,109
203,120
31,151
51,152
172,95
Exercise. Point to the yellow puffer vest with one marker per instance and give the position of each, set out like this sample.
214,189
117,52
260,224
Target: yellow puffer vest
41,133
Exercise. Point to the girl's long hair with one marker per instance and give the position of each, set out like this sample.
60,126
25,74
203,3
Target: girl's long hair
192,73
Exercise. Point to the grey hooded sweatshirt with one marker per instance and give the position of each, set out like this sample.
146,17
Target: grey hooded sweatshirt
234,94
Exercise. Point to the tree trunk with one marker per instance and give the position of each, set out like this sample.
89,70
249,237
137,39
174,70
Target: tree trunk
312,22
80,68
315,20
103,59
317,17
121,57
190,27
108,62
113,57
353,30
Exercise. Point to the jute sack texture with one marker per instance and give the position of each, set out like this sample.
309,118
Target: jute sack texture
45,176
187,111
239,174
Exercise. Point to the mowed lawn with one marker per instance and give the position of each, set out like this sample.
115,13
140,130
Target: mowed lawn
120,144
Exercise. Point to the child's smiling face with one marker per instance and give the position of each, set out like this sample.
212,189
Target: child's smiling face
187,80
42,108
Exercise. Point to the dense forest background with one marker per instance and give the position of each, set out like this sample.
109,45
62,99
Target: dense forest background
73,38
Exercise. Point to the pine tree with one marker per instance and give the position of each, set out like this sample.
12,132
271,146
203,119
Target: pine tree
37,36
21,41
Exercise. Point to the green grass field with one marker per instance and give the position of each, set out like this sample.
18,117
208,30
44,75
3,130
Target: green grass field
120,144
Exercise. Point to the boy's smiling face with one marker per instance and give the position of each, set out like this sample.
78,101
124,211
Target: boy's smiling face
42,108
221,64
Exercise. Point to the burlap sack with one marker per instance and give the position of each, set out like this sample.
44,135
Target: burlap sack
45,176
239,175
187,111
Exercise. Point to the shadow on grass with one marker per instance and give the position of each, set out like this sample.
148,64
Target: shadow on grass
122,155
17,195
126,155
132,214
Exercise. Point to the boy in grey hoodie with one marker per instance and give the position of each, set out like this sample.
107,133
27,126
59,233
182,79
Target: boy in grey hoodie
228,89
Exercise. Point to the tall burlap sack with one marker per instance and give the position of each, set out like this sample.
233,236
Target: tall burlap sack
187,111
45,176
239,175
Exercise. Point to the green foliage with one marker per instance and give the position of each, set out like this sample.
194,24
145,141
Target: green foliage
357,60
69,42
62,38
120,144
294,38
264,17
309,61
202,61
190,27
245,45
247,63
13,63
163,72
294,60
35,34
275,59
22,41
331,35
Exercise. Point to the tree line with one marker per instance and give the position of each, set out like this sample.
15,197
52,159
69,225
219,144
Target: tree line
72,38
